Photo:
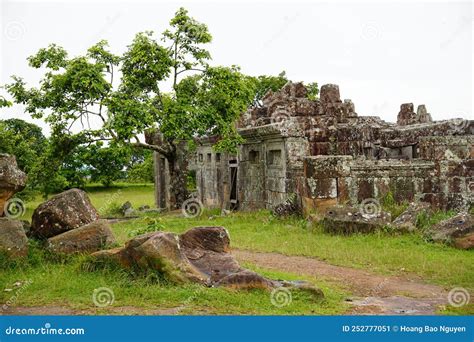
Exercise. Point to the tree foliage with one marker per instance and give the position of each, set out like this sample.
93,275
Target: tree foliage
264,83
99,105
24,140
73,91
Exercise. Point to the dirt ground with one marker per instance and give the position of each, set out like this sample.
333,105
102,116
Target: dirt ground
374,294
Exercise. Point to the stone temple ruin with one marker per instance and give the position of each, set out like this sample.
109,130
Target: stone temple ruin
323,153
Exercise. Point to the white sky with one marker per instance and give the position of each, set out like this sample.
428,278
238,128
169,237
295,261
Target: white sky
380,54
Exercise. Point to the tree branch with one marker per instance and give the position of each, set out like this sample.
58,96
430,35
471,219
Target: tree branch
155,148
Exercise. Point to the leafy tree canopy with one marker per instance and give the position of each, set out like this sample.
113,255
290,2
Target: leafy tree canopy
75,91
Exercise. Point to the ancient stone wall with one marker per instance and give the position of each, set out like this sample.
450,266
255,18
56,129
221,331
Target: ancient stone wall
332,180
360,156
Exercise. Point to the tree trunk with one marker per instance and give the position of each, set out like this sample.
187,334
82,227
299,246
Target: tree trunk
178,172
176,155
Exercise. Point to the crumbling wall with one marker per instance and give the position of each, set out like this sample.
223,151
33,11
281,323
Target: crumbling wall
331,180
360,156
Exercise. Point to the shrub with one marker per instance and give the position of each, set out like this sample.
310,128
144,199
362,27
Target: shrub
151,225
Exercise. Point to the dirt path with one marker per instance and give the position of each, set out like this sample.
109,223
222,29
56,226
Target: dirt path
378,294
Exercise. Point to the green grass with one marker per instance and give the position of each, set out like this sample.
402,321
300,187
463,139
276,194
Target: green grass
380,252
106,198
67,283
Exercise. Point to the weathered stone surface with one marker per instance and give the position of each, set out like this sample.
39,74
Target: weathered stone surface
330,93
208,250
457,231
158,251
348,220
286,209
406,222
86,239
406,116
13,240
246,279
12,179
68,210
360,156
422,114
201,254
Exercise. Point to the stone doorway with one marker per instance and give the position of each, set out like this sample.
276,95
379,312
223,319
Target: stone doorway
234,203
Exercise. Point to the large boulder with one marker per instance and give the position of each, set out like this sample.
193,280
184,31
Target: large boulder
13,240
457,231
66,211
201,254
86,239
208,250
349,220
157,251
12,179
406,222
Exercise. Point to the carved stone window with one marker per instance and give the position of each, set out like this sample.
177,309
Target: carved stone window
254,157
274,157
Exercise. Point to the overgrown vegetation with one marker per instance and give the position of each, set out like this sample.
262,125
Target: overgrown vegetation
71,282
390,205
63,280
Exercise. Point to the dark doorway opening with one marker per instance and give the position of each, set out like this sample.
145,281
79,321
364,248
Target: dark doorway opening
234,203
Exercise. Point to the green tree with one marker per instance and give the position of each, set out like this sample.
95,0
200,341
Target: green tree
202,99
106,163
22,139
313,90
141,168
264,83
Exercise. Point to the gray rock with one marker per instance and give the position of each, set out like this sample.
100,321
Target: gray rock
457,231
12,179
125,207
348,220
406,222
201,254
13,240
86,239
66,211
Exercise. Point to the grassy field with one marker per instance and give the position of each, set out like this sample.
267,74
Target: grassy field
67,283
380,252
106,198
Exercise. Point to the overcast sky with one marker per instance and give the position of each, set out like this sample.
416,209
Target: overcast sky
380,54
